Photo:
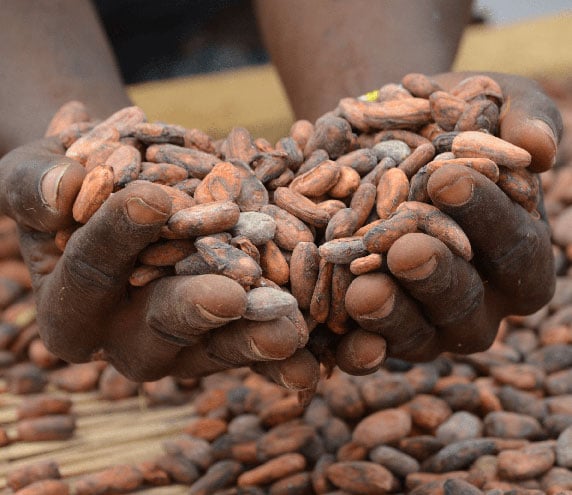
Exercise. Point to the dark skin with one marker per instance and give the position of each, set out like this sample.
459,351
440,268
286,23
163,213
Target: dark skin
85,308
53,52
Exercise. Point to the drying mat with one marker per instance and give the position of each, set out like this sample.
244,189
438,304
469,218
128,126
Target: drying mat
108,433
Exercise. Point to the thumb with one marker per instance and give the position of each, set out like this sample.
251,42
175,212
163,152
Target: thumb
38,186
530,119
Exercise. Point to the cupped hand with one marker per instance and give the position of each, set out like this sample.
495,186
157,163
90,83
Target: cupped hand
433,301
529,118
180,325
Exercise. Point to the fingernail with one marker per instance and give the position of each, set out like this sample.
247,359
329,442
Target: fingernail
272,347
383,310
291,383
260,352
458,192
373,364
142,213
546,129
50,185
419,272
361,352
548,132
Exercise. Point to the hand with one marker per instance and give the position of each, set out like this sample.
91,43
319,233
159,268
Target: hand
184,326
433,301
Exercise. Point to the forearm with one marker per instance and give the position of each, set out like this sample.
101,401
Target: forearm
325,50
52,51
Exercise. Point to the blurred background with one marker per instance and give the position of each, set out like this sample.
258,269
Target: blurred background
175,58
498,12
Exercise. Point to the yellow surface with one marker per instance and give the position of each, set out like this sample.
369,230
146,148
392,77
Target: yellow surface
542,47
254,97
215,103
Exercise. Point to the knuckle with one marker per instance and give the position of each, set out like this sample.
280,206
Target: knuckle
83,275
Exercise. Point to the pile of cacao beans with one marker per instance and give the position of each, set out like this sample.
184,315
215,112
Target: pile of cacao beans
307,215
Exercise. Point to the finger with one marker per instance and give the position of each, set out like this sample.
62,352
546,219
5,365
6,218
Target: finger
449,289
182,308
40,254
38,186
447,286
377,304
178,311
92,275
361,352
136,351
512,248
301,371
245,342
530,119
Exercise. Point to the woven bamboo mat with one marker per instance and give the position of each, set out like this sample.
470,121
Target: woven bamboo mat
108,433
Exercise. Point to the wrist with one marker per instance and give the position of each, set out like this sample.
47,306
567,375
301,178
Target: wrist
63,55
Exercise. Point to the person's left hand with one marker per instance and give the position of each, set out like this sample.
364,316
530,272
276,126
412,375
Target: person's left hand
433,301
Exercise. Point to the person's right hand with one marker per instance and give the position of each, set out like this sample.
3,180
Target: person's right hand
183,326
